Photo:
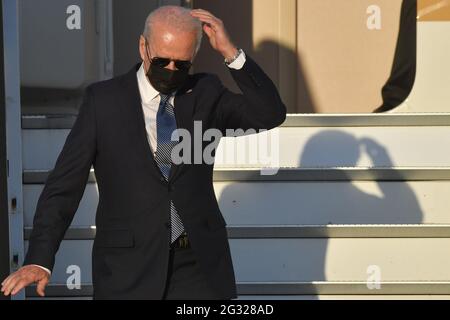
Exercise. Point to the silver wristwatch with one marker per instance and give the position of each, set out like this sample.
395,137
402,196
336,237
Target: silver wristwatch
228,62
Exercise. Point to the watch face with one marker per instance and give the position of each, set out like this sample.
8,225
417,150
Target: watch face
234,58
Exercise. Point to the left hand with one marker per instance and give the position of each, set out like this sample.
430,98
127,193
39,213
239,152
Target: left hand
24,277
216,32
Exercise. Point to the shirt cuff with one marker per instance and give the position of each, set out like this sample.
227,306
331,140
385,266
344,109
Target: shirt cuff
239,62
44,268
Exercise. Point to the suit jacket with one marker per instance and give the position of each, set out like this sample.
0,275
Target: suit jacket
131,248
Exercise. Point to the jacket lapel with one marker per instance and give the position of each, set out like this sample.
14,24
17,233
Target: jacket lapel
133,101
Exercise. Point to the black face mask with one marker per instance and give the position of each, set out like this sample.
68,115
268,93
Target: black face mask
164,80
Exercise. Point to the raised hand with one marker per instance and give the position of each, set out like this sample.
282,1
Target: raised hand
216,32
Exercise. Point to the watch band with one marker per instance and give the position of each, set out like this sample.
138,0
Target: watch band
228,62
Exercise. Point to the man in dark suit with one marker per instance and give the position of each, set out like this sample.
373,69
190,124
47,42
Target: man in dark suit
160,233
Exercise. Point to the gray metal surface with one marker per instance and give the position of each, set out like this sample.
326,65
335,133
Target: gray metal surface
299,174
49,56
293,288
368,120
335,174
4,214
13,133
344,287
54,121
292,120
305,231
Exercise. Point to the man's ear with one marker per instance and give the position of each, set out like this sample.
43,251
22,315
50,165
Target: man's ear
142,48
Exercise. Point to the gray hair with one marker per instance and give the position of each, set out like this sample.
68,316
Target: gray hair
177,17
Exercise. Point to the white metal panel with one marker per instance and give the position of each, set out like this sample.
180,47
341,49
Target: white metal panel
299,147
430,92
302,203
344,147
340,259
62,57
315,203
306,259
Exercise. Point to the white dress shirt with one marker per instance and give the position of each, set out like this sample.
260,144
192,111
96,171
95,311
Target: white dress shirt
150,100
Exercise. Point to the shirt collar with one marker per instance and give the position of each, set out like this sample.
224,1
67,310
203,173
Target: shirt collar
148,93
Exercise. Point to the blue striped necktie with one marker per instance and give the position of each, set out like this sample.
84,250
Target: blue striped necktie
166,125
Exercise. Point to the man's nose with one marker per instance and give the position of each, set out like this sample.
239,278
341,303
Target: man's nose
171,66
